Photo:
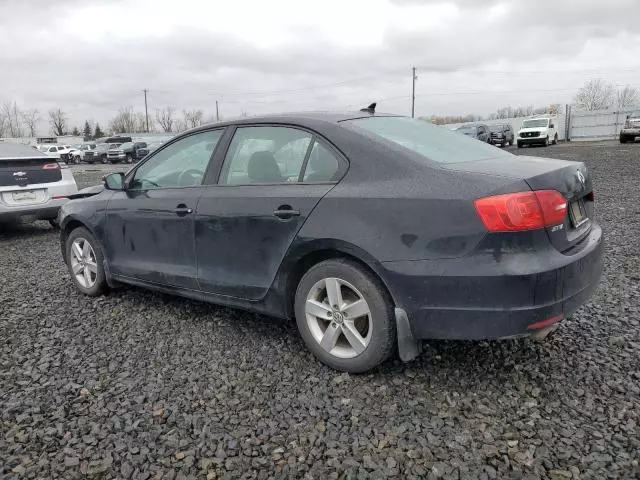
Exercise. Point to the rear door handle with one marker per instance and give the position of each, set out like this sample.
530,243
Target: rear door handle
182,210
285,211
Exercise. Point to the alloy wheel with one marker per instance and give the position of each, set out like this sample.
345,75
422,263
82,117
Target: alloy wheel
338,317
83,263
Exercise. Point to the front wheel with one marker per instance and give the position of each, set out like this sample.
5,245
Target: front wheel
85,262
129,158
104,159
555,139
345,316
623,139
546,141
519,144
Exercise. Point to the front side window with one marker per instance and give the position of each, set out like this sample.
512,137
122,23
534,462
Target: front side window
432,142
265,155
181,164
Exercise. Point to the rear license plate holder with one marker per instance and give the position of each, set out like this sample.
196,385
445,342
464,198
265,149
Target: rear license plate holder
24,196
577,213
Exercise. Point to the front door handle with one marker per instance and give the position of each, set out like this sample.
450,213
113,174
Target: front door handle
285,212
182,210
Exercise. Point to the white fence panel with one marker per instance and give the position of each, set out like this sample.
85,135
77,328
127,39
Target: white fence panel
597,125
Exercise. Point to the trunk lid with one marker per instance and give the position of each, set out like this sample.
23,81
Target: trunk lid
569,178
22,172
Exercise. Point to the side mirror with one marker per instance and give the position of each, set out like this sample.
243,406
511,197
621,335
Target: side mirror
552,126
114,181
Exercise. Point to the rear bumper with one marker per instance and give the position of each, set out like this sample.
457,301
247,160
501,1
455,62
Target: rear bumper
38,212
489,296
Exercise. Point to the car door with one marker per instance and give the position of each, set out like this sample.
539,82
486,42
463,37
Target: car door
150,225
270,180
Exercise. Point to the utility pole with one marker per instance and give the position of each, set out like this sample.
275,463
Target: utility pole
146,111
217,114
413,92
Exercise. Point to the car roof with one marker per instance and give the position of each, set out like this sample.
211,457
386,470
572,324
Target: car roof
297,118
14,150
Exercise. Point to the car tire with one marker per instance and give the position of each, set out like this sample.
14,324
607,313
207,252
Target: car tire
129,158
623,139
84,260
546,141
511,143
335,337
555,139
77,159
519,144
103,159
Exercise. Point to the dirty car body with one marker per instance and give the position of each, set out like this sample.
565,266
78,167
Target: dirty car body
436,216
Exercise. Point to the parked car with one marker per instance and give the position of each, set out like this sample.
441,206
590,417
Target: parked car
102,150
151,147
631,128
127,152
537,131
372,231
66,153
86,152
501,134
479,132
32,184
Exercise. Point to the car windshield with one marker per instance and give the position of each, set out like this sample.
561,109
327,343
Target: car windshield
113,146
497,128
435,143
540,122
466,129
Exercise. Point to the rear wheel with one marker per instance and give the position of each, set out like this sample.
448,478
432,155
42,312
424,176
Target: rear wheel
345,316
84,260
555,139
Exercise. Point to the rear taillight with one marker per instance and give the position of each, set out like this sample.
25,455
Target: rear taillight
514,212
50,166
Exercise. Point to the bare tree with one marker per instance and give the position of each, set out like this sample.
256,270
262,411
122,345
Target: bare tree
628,96
3,125
128,121
58,121
165,119
192,118
12,118
595,95
30,120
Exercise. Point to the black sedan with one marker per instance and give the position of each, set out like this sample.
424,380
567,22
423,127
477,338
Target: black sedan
372,231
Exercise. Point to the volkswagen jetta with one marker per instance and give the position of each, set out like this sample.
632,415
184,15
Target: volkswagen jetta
372,231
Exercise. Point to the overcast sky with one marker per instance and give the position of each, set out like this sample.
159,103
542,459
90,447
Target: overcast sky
256,56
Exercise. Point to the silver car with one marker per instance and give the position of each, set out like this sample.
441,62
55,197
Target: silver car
32,184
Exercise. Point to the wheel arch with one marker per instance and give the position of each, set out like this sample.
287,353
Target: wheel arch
300,259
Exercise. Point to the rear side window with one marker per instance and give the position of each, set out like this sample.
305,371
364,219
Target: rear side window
438,144
323,165
265,155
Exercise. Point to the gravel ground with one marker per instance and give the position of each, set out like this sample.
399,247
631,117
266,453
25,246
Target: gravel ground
142,385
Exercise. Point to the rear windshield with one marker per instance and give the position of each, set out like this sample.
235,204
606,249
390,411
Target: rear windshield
435,143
